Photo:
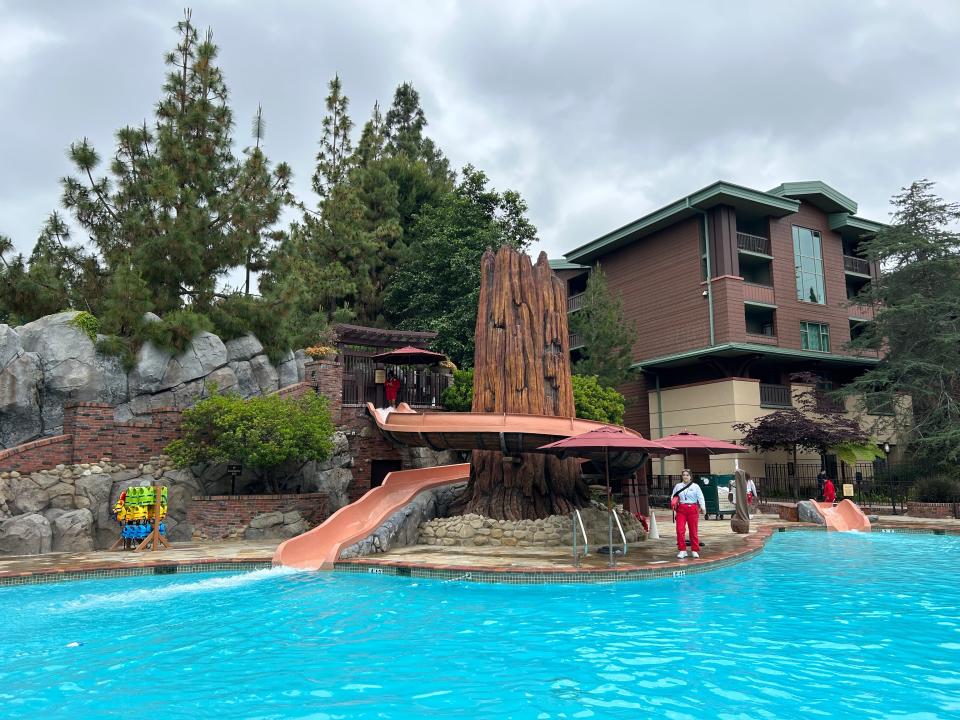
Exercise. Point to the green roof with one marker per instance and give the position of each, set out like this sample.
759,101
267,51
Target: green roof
733,349
817,193
719,193
852,226
562,264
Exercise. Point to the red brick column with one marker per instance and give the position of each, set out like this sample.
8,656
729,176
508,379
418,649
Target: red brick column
92,427
327,377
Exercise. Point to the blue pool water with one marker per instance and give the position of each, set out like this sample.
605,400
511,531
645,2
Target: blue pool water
872,632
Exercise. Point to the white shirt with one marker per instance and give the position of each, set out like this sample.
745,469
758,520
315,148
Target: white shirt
693,495
751,488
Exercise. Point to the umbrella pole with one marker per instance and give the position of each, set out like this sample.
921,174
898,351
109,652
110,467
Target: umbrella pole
613,562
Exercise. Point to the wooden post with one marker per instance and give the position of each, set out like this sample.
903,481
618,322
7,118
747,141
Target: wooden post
155,538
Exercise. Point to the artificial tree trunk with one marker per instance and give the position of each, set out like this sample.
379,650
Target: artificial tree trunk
522,365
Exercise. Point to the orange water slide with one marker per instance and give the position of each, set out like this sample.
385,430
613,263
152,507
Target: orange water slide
319,548
843,516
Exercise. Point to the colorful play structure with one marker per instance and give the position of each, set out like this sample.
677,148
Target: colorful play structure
141,512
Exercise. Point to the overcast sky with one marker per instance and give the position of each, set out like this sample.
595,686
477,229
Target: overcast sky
596,112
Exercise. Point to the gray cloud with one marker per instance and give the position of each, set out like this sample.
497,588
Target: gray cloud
596,112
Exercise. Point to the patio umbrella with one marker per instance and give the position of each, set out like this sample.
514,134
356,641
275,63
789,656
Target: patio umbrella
410,355
686,440
629,449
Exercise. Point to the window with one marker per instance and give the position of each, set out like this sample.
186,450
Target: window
808,263
814,336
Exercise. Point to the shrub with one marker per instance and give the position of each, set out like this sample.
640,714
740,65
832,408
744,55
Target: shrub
459,396
593,401
261,432
320,351
86,323
175,331
118,347
937,490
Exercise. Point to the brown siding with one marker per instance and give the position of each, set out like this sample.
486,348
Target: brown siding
658,281
790,311
636,415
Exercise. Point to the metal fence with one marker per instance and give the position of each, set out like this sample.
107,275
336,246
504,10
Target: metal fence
419,387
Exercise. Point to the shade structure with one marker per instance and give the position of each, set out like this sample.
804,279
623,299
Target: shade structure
686,441
410,355
629,450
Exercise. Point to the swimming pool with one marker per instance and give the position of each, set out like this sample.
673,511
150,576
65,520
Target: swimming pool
819,625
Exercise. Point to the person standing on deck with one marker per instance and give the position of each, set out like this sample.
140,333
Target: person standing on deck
829,491
689,501
392,387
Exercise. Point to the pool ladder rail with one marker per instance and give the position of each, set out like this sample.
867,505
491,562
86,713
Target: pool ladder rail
578,524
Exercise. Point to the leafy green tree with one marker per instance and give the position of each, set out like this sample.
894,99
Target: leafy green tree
607,337
270,434
176,204
594,401
438,287
917,323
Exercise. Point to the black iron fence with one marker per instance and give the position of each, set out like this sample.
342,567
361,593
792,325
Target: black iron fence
419,387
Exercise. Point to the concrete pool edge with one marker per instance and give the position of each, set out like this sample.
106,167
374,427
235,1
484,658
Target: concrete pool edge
753,545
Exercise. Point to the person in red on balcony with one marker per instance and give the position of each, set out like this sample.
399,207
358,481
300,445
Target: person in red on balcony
829,491
391,387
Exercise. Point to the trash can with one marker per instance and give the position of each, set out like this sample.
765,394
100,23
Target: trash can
716,492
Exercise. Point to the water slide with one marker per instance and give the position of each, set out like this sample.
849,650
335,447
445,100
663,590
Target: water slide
510,433
319,548
843,516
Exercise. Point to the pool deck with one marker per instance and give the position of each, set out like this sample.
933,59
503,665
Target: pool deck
654,558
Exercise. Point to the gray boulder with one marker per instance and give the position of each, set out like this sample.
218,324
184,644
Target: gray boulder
147,374
10,345
243,348
301,358
73,531
71,367
25,535
20,382
223,379
287,370
246,383
95,490
27,497
265,374
807,512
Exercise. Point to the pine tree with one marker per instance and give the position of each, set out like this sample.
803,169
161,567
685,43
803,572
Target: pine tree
607,338
372,140
177,205
916,324
335,155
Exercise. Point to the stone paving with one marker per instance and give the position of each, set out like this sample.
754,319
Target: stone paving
720,544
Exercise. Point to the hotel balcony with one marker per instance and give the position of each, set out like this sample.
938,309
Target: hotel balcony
754,292
753,244
856,266
575,302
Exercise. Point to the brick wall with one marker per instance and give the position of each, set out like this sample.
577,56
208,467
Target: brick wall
327,377
96,435
38,455
220,516
367,443
933,510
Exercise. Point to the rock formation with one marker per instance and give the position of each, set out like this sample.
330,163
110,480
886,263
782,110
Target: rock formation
49,361
522,365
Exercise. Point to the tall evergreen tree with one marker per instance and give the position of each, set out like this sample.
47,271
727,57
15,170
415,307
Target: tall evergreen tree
177,205
917,323
336,150
372,140
607,337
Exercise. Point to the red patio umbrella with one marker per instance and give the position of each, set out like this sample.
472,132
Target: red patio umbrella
631,446
410,355
686,440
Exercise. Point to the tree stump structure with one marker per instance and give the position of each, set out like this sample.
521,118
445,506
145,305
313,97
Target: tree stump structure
522,365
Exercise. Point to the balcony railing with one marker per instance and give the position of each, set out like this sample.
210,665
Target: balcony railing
762,339
575,341
862,311
758,293
856,265
775,396
753,243
575,302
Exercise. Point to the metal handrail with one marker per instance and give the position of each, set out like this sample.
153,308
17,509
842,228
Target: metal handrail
620,528
586,544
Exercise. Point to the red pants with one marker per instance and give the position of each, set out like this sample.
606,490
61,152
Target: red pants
688,515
